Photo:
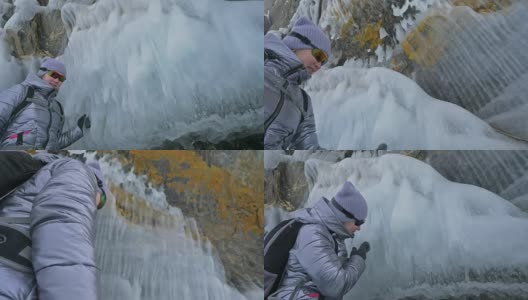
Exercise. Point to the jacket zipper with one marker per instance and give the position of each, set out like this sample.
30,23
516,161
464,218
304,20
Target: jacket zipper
49,125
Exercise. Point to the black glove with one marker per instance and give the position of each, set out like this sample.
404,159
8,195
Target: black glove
382,146
363,249
84,122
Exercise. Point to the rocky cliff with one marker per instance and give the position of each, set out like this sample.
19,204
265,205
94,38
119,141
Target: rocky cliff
222,190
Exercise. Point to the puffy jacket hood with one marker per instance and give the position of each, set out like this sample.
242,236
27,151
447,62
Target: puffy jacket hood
288,60
323,213
41,86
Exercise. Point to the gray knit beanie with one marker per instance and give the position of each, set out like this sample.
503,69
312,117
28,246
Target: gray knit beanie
305,27
51,64
349,199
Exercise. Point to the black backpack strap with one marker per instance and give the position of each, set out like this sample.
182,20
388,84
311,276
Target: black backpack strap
305,104
305,101
270,54
30,93
335,243
15,249
60,107
277,109
16,168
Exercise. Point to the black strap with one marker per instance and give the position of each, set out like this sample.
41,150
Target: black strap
276,111
303,39
12,244
20,139
30,92
16,167
343,210
305,100
60,107
270,54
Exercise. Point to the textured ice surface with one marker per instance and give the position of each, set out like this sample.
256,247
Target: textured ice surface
502,172
430,237
478,61
155,70
359,108
150,70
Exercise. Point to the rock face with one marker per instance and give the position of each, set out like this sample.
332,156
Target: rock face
223,191
43,35
353,26
286,185
359,28
279,12
51,33
195,141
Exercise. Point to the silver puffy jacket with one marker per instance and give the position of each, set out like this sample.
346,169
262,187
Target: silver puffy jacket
313,266
38,126
60,202
294,125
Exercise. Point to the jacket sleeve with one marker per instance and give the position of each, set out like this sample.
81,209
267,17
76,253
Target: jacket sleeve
315,253
69,137
275,137
62,233
306,137
9,100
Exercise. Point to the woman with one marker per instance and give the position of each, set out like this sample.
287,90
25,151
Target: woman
47,232
31,117
289,62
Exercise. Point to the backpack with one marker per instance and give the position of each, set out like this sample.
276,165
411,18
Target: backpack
16,167
30,92
277,245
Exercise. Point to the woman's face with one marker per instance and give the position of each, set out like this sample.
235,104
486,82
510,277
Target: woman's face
351,227
54,82
310,63
97,199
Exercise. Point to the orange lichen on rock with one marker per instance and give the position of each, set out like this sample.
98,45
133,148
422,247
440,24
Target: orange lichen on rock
196,183
426,43
484,6
138,211
370,36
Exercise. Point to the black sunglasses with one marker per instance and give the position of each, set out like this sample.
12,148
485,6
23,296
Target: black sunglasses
347,213
316,52
54,74
102,199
